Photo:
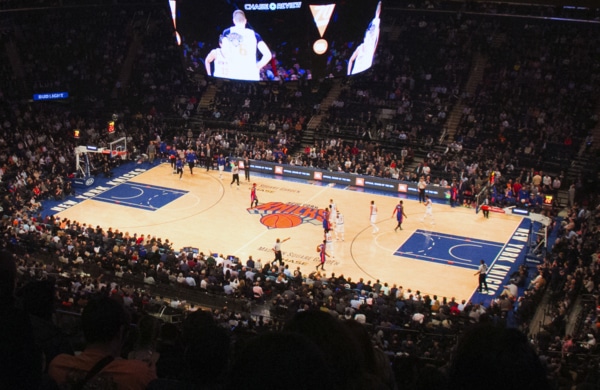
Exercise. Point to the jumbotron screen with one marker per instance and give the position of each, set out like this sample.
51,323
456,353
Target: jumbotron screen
277,41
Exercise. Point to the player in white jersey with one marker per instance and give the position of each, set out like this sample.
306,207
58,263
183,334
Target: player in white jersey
362,58
339,225
332,212
329,243
428,210
218,61
373,216
240,45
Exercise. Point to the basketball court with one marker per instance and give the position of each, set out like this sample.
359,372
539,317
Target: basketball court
205,212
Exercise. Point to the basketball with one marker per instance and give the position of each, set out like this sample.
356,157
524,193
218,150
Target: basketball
318,249
280,221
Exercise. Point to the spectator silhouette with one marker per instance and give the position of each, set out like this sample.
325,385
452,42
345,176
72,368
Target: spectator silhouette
37,298
492,357
170,348
20,359
340,347
205,355
105,324
377,364
281,360
146,337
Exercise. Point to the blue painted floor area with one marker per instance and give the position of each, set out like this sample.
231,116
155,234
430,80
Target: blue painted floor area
505,264
448,249
141,196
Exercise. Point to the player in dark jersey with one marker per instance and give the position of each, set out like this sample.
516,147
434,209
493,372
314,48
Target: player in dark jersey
400,215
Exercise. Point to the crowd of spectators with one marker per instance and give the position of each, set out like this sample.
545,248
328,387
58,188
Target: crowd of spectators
411,87
569,273
415,331
268,108
82,261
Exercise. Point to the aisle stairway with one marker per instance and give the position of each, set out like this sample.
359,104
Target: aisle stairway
585,165
315,122
127,68
15,64
596,130
15,59
208,97
475,78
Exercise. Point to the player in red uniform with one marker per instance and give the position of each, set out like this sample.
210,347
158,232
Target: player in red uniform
322,255
253,198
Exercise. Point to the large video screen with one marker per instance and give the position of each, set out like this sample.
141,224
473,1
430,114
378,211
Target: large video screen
277,41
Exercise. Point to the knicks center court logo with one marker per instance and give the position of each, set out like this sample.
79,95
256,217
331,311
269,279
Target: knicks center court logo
277,215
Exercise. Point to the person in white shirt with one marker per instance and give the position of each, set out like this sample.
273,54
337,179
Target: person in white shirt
219,260
547,181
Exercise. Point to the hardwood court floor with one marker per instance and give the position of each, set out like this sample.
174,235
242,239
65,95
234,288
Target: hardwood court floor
215,217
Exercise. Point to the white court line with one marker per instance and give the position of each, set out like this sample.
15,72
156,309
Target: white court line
130,197
386,249
129,204
414,256
460,258
468,240
187,206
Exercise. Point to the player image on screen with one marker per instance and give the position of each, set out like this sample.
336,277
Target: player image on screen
239,48
218,61
362,58
262,40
